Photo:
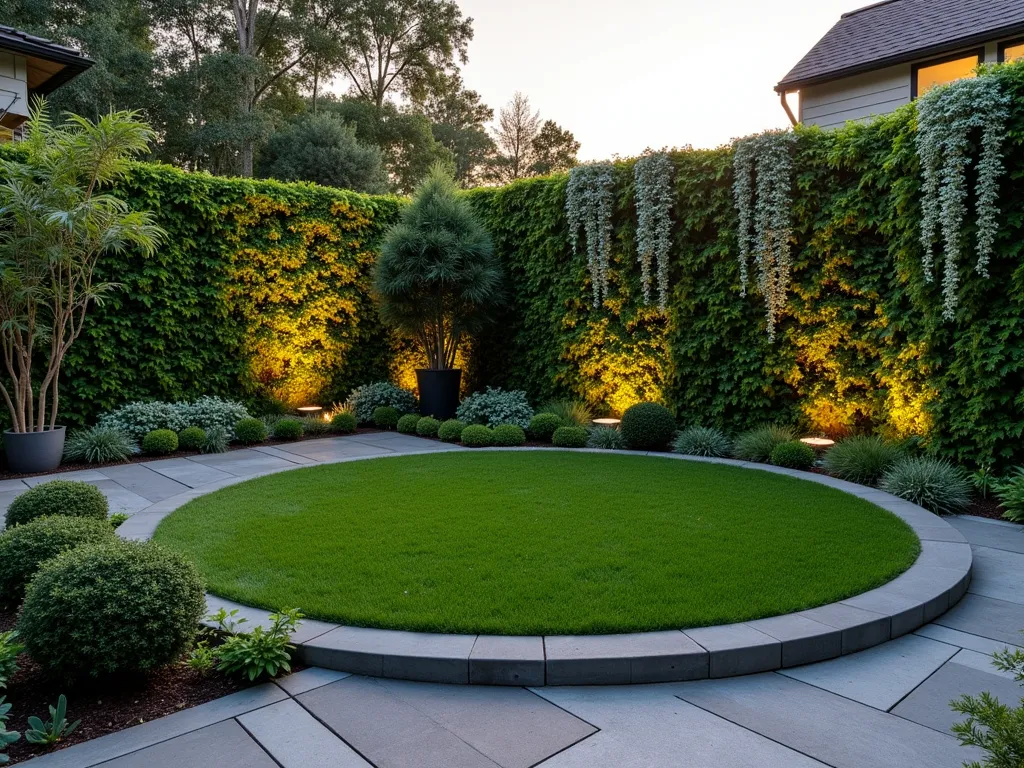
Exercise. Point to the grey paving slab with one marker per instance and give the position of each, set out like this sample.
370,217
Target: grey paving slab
804,641
995,619
646,726
81,475
497,660
188,472
631,658
512,726
964,639
308,679
998,573
143,481
905,613
244,463
861,628
292,458
990,533
225,744
929,703
403,443
140,737
830,728
945,554
387,731
120,498
383,653
738,649
296,739
981,662
16,486
939,533
331,450
141,526
880,676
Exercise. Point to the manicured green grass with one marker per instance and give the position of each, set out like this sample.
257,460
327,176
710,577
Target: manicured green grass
535,542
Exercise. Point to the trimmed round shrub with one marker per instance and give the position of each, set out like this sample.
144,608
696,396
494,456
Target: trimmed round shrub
793,455
288,429
861,459
385,417
703,441
407,424
343,423
477,436
24,548
648,427
364,400
570,437
192,439
250,431
543,426
124,606
607,438
934,484
58,497
160,442
758,444
428,426
509,435
451,431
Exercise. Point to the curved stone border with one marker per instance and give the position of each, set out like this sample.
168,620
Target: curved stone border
933,584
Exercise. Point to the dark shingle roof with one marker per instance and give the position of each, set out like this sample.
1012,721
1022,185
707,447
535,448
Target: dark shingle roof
73,61
895,31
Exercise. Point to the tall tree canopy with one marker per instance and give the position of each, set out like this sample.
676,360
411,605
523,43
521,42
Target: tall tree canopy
528,147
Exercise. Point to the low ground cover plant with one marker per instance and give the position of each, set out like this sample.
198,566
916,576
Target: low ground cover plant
543,426
160,442
364,400
140,418
703,441
648,427
53,730
99,445
216,440
570,437
450,431
6,737
477,436
495,407
861,459
9,650
935,484
58,497
758,444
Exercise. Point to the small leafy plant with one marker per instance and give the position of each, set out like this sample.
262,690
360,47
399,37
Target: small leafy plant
260,651
984,481
793,455
385,417
571,412
118,519
509,435
216,441
343,423
1010,492
288,429
202,658
9,650
477,436
427,427
570,437
543,425
6,737
495,407
53,730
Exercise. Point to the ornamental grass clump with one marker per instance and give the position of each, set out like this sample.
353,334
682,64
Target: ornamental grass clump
758,444
648,427
509,436
477,436
861,459
427,427
571,412
793,455
935,484
495,407
99,445
407,424
606,438
570,437
702,441
543,426
58,497
450,431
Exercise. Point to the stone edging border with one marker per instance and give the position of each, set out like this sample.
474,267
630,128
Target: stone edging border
933,584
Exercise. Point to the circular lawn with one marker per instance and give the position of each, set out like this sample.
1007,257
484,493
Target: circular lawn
537,542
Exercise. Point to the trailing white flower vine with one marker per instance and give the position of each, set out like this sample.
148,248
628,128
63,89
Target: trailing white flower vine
947,118
653,175
589,203
763,192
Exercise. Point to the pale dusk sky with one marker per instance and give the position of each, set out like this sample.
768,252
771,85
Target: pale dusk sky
623,75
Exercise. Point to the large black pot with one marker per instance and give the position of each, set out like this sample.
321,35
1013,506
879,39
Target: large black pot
31,452
439,392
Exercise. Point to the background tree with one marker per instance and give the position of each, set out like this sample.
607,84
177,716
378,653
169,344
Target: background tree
554,150
459,120
518,126
322,149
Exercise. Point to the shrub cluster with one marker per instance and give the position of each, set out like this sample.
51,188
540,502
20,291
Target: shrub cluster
140,418
648,427
758,444
496,407
861,459
477,436
364,400
451,431
570,437
58,497
160,442
703,441
250,431
793,455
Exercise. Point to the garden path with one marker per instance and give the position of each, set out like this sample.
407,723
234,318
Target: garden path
887,706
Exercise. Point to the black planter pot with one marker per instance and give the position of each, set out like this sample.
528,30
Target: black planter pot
439,392
30,452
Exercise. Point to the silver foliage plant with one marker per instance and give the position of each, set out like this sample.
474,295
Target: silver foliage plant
589,203
763,192
947,117
653,176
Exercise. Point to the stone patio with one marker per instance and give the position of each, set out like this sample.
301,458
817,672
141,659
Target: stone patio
886,706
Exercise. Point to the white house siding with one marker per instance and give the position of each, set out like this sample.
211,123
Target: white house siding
13,84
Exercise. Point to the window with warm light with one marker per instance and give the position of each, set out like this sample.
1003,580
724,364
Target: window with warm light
930,75
1011,51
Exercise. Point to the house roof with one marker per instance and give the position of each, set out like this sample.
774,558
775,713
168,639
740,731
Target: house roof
896,31
49,64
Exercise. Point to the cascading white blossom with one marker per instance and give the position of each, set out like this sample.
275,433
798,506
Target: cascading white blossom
589,203
653,176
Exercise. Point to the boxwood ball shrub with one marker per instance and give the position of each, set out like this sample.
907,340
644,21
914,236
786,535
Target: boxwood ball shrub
509,435
570,437
124,606
428,427
385,417
934,484
160,442
24,548
496,406
861,459
477,436
364,400
703,441
250,431
343,423
793,455
58,497
758,444
451,431
648,427
543,426
407,424
191,438
288,429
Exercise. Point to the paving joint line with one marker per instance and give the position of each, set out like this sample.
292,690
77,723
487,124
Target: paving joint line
258,743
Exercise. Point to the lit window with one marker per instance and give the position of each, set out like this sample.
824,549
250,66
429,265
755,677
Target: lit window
927,76
1013,51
